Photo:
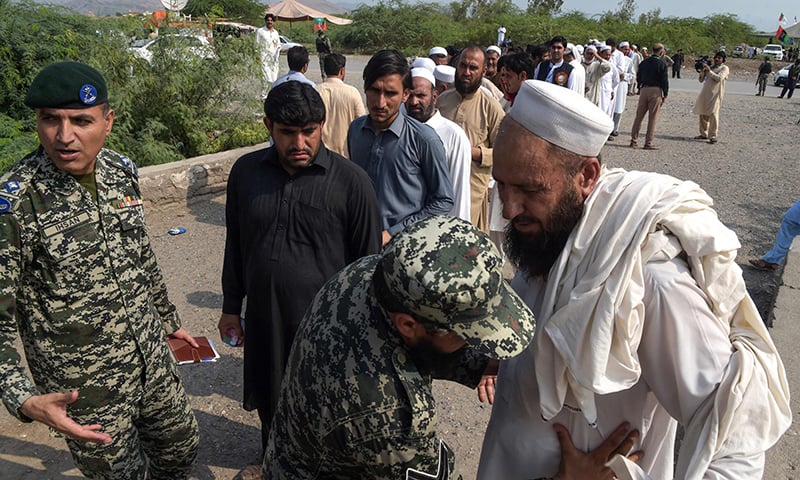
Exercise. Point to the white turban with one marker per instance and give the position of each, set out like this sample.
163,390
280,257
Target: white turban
424,73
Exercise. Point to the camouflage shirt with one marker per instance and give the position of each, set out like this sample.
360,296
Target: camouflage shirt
354,403
79,282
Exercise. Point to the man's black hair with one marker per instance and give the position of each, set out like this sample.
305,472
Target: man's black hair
386,62
270,15
611,41
520,62
333,63
558,39
297,58
294,103
536,51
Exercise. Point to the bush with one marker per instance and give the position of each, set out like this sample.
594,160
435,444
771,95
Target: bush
178,106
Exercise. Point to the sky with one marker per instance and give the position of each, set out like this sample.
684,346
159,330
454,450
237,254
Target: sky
763,15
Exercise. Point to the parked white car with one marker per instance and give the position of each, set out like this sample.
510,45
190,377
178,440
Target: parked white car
781,76
179,45
773,50
287,43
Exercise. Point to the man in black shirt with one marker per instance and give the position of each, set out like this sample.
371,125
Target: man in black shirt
677,63
653,87
296,214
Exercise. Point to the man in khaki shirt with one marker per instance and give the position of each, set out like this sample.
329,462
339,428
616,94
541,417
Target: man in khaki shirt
343,104
479,114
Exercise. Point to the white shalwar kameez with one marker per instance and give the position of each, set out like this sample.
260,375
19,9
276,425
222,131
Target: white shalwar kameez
646,320
459,158
268,45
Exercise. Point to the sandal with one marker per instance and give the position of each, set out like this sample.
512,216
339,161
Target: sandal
701,137
762,265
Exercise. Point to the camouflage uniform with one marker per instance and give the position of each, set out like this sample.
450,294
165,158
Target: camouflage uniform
356,402
79,281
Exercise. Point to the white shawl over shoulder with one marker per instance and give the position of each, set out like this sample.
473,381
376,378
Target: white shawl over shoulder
593,312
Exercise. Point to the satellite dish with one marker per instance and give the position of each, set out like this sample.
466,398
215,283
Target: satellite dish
174,5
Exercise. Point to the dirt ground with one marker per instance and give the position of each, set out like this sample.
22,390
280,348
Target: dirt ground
752,173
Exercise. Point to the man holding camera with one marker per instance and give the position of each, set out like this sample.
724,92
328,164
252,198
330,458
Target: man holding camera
709,101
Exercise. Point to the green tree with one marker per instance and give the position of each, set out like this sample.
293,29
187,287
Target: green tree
627,8
247,11
544,7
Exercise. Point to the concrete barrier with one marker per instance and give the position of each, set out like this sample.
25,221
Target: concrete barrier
182,183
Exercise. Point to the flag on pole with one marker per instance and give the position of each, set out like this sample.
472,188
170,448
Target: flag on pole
319,24
781,35
781,19
795,21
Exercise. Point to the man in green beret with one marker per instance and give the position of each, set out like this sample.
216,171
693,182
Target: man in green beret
80,283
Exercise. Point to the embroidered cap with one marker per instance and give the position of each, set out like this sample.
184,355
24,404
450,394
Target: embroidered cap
424,73
444,73
67,85
562,117
437,51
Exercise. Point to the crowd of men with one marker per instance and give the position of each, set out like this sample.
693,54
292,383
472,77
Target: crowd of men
364,257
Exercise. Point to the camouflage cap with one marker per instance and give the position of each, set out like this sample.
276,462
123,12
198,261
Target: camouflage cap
67,85
449,274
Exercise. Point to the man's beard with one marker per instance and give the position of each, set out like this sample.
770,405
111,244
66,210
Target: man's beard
422,115
427,358
535,254
465,88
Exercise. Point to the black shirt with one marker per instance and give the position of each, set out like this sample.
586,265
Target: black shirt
286,236
653,73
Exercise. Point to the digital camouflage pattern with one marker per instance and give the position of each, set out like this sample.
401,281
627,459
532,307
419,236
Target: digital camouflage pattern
80,284
445,271
354,402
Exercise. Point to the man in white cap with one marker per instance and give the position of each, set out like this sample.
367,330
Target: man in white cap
596,68
493,53
445,76
421,106
572,56
608,83
479,114
439,55
625,64
423,62
642,312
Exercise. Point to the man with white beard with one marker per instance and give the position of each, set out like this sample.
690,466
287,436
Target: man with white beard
608,84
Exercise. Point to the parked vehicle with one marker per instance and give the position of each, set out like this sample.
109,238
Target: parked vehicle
773,50
781,76
738,51
179,46
287,43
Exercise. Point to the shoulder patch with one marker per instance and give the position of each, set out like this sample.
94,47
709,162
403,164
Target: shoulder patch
120,161
5,204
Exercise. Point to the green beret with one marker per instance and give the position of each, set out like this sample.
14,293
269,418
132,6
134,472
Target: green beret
67,85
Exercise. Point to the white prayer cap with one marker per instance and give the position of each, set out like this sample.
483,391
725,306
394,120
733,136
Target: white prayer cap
624,44
494,48
423,62
445,73
437,51
579,48
562,117
424,73
603,48
634,46
590,48
573,50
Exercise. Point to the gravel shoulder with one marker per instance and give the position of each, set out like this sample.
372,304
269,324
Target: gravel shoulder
752,173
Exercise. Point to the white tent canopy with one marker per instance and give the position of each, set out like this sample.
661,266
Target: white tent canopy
294,11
